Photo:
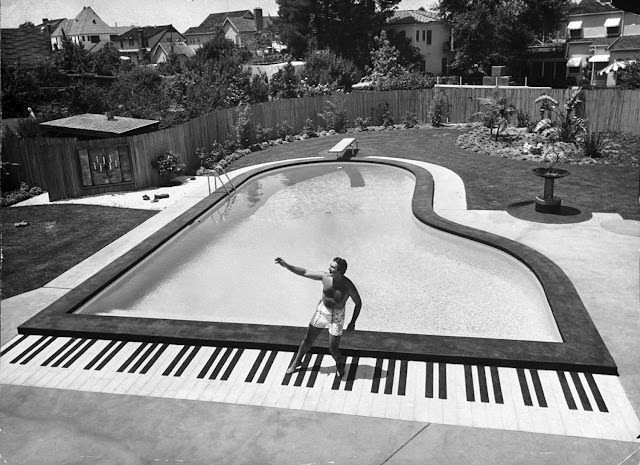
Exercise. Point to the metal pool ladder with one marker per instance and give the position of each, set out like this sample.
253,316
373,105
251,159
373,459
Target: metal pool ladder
216,177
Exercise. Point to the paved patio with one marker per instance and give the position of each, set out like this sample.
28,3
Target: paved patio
51,426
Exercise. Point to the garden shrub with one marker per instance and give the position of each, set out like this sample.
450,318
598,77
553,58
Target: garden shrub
387,119
523,119
209,158
283,129
335,114
629,77
23,193
405,81
409,120
496,112
326,70
263,134
309,128
244,129
439,109
361,124
168,164
284,83
563,125
592,144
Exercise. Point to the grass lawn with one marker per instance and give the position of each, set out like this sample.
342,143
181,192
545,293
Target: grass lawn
57,238
491,183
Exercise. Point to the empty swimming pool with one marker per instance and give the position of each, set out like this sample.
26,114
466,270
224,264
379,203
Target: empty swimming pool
412,278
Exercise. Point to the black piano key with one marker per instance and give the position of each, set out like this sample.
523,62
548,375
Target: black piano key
144,356
524,388
336,382
232,364
175,361
442,380
7,349
468,383
187,361
287,376
207,366
388,385
402,381
302,370
153,360
132,357
351,375
68,353
96,358
537,386
112,354
482,383
596,393
220,365
37,351
428,384
58,352
267,366
584,400
566,391
497,388
255,366
26,352
377,373
315,370
79,353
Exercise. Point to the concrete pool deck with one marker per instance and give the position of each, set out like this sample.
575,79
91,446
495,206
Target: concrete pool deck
59,426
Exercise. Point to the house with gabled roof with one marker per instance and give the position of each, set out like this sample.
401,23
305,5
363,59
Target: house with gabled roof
427,33
599,35
241,27
86,29
139,42
161,52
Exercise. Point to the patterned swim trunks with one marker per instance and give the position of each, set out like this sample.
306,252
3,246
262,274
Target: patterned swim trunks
327,318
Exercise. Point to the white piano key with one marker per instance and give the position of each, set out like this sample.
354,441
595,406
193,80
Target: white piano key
508,410
251,387
300,392
420,410
361,385
234,385
313,396
379,405
268,395
327,393
339,395
619,406
392,407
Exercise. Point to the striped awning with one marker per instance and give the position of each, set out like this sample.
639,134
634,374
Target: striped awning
612,22
575,25
599,59
576,61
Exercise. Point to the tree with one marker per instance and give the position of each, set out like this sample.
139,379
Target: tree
72,58
629,77
345,26
498,32
327,68
284,83
385,58
106,61
27,25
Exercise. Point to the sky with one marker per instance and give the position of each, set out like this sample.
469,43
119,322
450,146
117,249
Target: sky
182,14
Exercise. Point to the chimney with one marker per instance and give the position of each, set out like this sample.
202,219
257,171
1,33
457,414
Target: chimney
110,116
45,20
257,18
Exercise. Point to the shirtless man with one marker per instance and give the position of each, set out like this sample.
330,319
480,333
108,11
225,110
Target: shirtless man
336,289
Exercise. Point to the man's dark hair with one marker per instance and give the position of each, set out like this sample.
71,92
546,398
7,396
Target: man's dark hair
342,264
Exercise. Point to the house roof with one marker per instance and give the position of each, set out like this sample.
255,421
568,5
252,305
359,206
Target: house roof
147,31
591,6
87,22
24,46
412,17
50,25
99,124
217,20
248,25
626,43
177,48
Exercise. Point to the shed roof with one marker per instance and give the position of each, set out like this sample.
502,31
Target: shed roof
90,123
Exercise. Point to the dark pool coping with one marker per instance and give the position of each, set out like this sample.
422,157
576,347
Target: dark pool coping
582,348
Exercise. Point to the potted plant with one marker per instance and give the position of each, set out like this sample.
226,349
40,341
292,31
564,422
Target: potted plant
168,166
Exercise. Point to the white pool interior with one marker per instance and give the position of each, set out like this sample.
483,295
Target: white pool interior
412,278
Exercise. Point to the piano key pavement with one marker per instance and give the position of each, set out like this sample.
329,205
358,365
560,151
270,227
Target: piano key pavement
541,401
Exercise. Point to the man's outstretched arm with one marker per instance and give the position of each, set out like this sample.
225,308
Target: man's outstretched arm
299,270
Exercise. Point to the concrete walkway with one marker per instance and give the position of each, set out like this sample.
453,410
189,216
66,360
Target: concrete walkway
50,426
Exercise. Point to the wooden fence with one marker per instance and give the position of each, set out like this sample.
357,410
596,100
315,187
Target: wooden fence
53,163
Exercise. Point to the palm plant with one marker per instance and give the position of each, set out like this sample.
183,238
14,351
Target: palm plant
496,111
566,124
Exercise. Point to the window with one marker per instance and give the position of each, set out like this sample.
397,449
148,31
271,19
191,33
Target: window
131,42
423,35
429,37
95,39
575,33
573,70
444,66
403,34
613,27
83,38
417,36
113,38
